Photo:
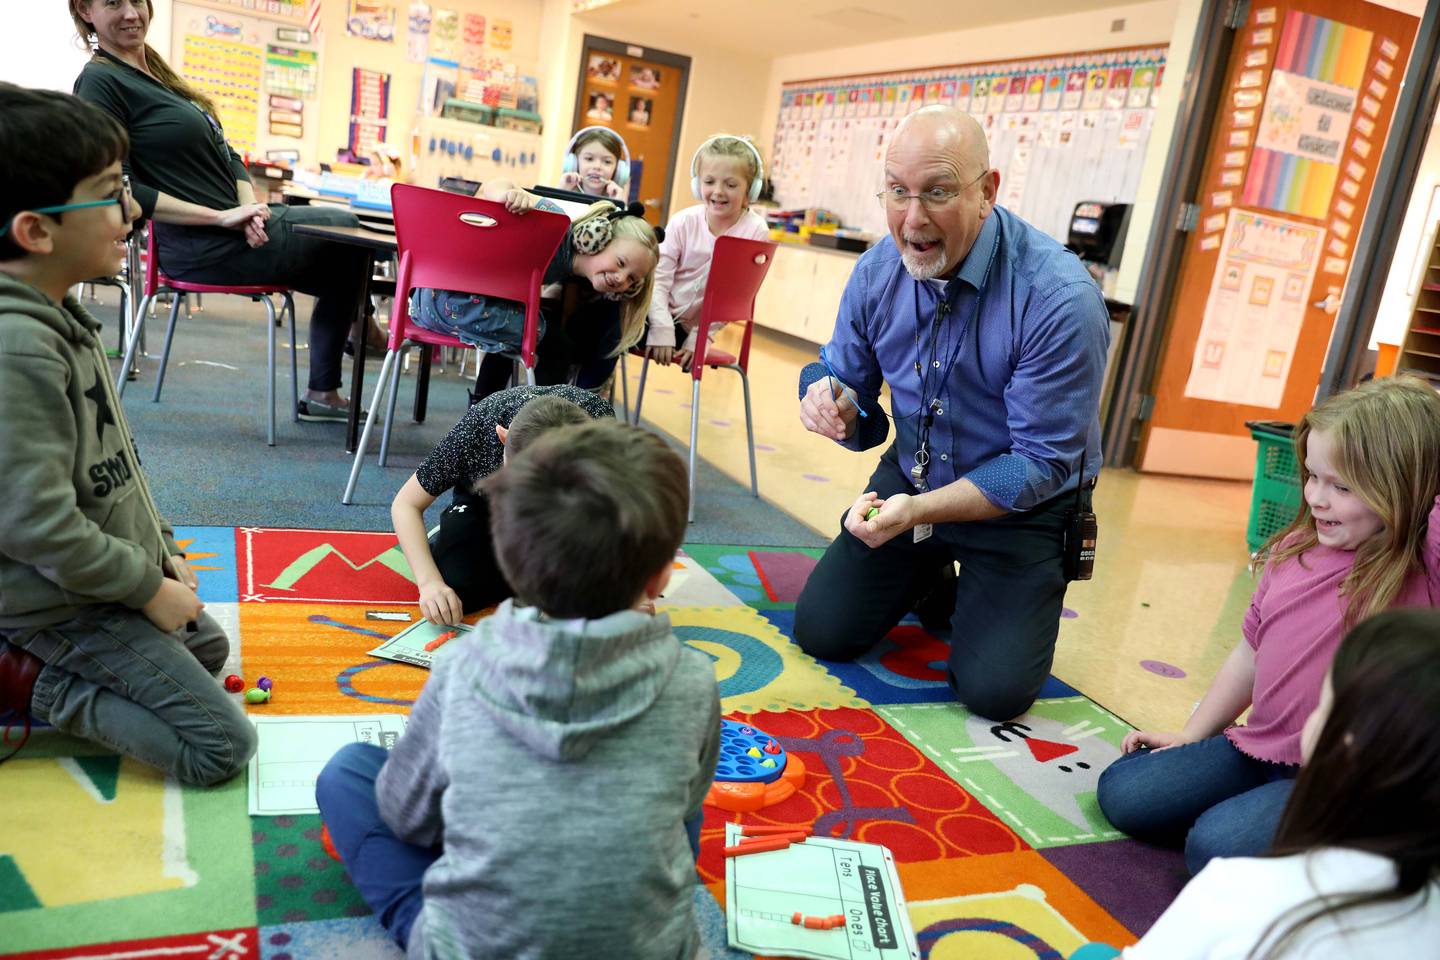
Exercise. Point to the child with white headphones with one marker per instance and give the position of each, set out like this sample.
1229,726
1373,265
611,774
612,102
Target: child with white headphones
597,163
726,175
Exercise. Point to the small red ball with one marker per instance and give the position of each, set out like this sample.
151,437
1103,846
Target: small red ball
234,683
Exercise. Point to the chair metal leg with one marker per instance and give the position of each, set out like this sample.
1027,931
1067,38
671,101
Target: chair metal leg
169,336
624,390
364,441
127,309
269,369
694,442
123,377
530,376
294,367
390,408
640,391
749,428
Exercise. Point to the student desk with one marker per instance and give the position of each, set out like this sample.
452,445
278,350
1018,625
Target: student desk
373,242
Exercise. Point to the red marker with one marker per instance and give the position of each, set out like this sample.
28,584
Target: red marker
769,830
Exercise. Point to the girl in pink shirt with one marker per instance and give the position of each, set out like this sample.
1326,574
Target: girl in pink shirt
1367,538
725,176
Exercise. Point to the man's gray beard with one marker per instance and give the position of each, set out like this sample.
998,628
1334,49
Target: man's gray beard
924,271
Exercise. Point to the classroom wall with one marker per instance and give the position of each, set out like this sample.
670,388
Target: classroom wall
342,53
1145,23
727,91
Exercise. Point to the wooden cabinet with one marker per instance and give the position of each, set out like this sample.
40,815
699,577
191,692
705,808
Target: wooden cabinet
1420,351
801,294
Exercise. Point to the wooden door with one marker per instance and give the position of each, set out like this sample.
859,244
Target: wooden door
1309,94
639,98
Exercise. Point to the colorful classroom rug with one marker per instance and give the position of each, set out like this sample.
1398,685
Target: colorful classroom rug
1002,852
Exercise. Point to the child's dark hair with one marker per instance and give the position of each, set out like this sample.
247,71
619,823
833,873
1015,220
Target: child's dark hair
537,416
586,515
49,142
1373,780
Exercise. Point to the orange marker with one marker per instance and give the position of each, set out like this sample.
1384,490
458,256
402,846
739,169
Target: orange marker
440,641
759,845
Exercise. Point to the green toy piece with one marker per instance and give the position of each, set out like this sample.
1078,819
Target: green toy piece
256,695
872,513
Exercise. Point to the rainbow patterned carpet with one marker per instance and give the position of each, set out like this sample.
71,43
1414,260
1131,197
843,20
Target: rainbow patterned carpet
1002,852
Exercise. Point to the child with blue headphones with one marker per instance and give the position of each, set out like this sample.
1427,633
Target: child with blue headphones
597,163
726,175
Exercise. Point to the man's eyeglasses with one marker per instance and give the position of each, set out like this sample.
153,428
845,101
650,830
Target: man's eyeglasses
935,198
120,196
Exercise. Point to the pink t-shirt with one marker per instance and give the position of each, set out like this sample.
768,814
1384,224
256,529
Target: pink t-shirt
1294,625
684,267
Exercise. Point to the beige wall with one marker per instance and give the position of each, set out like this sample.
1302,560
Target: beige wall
727,91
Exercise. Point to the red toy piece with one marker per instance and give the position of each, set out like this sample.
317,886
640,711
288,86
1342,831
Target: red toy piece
234,683
441,640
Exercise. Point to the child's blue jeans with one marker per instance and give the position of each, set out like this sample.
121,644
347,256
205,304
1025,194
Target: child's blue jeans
386,870
1206,795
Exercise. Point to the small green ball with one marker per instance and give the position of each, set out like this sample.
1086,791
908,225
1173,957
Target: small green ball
256,695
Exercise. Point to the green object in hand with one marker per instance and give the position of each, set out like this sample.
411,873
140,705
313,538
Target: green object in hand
872,513
256,695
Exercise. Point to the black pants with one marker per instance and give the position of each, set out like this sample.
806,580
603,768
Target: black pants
465,554
1007,602
333,273
584,340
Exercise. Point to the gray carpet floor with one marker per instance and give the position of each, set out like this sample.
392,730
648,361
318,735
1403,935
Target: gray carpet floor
203,445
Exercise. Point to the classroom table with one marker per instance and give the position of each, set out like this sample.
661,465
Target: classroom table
373,242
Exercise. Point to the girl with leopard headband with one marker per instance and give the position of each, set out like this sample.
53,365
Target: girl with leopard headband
597,294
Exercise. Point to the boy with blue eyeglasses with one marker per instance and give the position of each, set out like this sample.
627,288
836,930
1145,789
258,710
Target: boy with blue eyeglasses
101,632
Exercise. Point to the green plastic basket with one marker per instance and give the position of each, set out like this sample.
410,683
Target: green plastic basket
1276,495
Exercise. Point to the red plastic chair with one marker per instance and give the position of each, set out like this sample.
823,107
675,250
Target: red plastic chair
156,283
736,272
450,242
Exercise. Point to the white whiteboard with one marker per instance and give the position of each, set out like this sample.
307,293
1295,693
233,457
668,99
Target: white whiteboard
1056,142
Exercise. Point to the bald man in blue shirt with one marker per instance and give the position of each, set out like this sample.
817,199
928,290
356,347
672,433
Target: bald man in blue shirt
992,338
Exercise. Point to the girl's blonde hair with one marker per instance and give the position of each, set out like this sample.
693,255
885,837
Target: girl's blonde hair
1386,438
733,148
633,309
155,63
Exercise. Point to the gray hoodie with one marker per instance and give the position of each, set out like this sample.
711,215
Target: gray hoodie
77,523
556,763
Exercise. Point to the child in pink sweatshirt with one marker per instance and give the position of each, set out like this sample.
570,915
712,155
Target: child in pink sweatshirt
1367,539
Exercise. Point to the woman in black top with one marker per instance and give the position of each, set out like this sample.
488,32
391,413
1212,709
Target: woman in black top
187,179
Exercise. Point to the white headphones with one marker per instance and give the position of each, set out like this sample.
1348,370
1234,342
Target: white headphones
571,162
755,184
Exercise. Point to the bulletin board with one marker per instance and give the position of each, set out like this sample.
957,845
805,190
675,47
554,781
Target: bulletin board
1061,130
265,84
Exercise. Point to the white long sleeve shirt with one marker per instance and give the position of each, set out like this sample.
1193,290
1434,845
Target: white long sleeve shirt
1232,902
685,266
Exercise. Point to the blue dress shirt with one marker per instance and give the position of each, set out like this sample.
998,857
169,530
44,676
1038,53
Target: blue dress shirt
1012,370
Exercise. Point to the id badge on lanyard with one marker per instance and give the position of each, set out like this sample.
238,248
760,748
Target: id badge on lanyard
922,531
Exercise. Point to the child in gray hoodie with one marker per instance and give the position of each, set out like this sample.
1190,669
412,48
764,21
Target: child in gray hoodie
539,802
101,632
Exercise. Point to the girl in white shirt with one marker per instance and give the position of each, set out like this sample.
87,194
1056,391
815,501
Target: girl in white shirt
725,175
1355,870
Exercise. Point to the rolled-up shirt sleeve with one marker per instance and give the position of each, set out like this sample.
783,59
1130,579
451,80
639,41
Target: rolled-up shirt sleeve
1052,399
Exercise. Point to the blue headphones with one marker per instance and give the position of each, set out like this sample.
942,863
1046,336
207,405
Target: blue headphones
755,184
571,162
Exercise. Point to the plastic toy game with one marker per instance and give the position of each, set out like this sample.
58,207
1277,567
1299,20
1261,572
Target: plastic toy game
753,771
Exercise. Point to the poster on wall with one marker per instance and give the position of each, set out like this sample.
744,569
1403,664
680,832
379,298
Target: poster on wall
229,72
445,35
371,19
289,11
1311,100
369,109
417,42
1255,309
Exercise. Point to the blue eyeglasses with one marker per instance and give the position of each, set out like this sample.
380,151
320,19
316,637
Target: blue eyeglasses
121,193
